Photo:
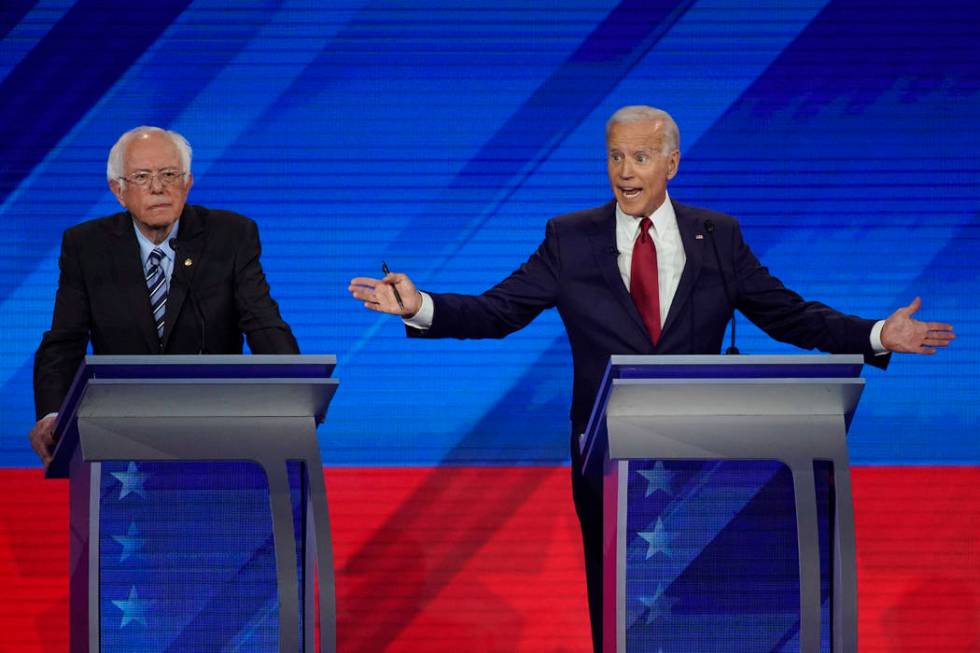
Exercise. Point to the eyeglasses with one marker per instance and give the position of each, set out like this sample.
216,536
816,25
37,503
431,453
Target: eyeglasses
144,178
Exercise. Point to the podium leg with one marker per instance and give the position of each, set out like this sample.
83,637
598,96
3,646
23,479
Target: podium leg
285,550
324,557
83,529
845,561
808,538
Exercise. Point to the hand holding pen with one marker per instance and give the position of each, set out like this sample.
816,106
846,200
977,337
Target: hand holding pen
394,288
395,293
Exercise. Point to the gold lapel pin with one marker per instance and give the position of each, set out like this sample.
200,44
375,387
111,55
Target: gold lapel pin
188,262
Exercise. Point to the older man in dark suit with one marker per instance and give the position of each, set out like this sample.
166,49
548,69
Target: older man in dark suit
161,277
642,274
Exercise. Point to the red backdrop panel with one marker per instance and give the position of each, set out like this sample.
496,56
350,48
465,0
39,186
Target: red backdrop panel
488,559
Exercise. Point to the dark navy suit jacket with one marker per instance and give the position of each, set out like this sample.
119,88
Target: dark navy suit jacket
102,298
575,270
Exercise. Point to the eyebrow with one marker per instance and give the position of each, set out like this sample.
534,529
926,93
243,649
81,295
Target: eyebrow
640,149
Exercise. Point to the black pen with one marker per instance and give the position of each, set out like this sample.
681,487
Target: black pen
398,298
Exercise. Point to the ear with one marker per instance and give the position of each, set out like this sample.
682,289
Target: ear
190,182
672,162
117,190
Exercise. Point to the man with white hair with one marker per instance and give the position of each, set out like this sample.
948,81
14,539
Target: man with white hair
160,277
640,275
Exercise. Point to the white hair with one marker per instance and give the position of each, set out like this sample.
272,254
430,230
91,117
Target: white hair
114,167
643,113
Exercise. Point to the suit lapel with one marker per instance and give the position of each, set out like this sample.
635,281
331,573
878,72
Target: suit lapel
693,238
128,268
190,243
603,238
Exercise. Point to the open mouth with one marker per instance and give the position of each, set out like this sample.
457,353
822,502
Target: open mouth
630,193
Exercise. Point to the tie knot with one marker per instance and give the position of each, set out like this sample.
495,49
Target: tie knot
645,225
156,256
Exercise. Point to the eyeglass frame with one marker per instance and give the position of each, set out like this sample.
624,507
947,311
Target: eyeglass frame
159,174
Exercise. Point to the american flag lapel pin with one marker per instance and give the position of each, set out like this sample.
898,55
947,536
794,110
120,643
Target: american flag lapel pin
698,236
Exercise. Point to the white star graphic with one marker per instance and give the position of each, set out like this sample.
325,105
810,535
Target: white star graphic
658,606
657,478
132,481
134,608
658,540
131,542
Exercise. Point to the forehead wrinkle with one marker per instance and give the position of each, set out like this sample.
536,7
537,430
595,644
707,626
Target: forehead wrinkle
645,147
161,169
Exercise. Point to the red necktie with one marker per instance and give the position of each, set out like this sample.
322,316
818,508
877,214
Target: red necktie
644,285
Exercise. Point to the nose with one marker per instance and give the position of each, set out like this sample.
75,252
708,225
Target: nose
625,169
156,184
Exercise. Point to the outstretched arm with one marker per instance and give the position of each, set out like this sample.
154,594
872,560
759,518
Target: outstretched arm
503,309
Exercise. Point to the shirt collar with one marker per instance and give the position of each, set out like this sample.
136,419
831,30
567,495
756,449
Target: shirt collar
147,245
664,219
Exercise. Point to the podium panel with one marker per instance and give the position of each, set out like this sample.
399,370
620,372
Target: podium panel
728,522
186,556
712,558
198,509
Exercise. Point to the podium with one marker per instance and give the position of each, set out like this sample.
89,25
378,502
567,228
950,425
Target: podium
198,515
705,553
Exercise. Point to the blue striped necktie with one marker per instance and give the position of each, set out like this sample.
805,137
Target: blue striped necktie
156,283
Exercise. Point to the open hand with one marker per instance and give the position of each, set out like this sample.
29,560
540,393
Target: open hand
903,333
379,294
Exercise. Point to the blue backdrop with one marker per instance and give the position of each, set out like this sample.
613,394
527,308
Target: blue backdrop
843,134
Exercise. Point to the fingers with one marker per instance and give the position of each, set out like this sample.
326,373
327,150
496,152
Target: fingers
932,335
46,430
918,339
933,341
362,292
365,281
375,306
37,446
939,326
42,438
912,308
380,294
365,288
903,333
376,294
392,278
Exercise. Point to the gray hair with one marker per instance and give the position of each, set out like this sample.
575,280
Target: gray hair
643,113
114,167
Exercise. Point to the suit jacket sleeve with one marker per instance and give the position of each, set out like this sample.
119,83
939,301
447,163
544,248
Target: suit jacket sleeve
62,347
259,318
505,308
787,317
